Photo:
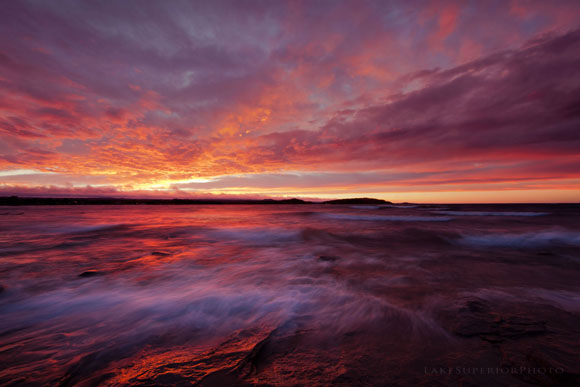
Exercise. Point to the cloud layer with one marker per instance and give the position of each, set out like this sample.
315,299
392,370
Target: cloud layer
310,99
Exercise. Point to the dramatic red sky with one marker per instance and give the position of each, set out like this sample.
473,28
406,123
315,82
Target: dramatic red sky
426,101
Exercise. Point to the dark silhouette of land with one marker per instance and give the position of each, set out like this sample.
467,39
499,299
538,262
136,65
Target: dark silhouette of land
41,201
358,201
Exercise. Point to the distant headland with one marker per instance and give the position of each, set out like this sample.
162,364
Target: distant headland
358,201
67,201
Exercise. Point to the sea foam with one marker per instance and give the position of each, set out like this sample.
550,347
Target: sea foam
490,213
523,240
391,218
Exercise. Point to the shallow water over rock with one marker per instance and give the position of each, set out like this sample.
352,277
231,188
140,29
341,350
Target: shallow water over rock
290,295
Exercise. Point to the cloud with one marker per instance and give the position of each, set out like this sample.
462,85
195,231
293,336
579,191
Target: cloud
264,95
518,105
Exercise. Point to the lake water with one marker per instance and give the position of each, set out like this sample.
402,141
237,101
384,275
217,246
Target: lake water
290,295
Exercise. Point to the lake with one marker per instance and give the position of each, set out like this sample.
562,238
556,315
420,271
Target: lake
290,295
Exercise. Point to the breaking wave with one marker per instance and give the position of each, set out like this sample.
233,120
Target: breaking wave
391,218
490,213
523,240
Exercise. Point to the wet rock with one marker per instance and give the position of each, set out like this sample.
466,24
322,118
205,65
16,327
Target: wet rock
278,342
565,375
90,273
493,338
477,319
545,253
519,326
327,258
222,378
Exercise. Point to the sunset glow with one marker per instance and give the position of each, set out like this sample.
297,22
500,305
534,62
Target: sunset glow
436,101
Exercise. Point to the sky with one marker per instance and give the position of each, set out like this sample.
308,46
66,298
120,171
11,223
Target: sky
422,101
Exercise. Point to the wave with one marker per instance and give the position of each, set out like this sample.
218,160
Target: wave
99,228
562,299
490,213
80,228
524,240
255,236
404,206
390,218
210,302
